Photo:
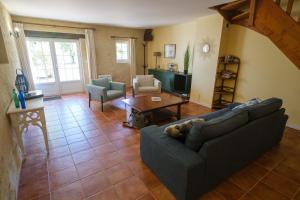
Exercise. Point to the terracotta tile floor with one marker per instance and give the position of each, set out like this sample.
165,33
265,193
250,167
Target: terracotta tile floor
93,157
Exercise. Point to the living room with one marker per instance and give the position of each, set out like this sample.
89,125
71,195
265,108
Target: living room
124,90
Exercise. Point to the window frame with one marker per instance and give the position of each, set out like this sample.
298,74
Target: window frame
122,61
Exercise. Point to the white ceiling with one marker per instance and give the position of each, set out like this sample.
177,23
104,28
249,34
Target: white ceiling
128,13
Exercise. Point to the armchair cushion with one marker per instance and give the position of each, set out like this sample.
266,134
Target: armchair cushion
148,89
113,94
145,80
103,82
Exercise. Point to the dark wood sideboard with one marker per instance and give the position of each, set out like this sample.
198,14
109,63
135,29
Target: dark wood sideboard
173,82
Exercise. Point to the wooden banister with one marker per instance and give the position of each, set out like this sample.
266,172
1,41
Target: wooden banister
252,12
289,7
234,5
270,19
243,15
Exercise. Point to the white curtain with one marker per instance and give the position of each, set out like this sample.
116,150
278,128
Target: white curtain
23,54
91,53
132,60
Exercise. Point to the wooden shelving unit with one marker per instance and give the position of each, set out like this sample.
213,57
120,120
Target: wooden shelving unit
226,81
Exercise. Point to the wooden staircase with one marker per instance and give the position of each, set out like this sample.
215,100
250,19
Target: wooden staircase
270,19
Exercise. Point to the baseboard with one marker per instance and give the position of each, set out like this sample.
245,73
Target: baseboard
293,126
201,104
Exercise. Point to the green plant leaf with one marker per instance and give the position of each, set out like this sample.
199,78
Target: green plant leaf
186,61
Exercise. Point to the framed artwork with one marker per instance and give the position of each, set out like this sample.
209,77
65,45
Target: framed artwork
170,50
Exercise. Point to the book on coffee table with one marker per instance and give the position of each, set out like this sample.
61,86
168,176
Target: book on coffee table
156,98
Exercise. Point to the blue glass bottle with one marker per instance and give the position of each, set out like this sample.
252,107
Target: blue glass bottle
22,99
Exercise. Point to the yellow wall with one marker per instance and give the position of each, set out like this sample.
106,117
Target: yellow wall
204,29
105,45
10,156
265,71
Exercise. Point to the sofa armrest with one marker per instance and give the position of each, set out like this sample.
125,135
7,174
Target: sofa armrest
135,83
117,86
157,84
96,91
179,168
171,147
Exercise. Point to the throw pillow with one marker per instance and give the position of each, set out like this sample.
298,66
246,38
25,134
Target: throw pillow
181,130
251,102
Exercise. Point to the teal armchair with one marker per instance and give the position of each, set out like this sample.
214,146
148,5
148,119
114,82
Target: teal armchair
104,90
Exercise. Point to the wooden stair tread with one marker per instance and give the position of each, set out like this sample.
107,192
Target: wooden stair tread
243,15
269,18
278,2
234,5
289,7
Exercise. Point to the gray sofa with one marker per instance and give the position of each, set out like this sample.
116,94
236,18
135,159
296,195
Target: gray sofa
212,151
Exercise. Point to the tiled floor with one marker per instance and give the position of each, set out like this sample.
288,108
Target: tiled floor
93,157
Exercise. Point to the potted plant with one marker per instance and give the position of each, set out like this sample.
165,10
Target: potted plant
186,62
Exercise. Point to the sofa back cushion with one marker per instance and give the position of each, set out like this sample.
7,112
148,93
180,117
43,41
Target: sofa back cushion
145,80
215,114
202,132
264,108
103,82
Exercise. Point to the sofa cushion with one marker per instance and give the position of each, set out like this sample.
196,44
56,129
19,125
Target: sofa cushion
264,108
180,130
103,82
202,132
145,80
215,114
251,102
112,94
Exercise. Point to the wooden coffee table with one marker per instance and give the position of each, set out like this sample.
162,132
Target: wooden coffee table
145,104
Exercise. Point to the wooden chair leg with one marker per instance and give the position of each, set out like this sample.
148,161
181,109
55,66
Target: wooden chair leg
133,92
89,100
101,103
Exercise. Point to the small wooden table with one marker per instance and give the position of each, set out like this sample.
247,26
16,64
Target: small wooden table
22,118
145,104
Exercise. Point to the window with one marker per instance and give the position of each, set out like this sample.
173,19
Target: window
67,61
40,61
122,51
53,60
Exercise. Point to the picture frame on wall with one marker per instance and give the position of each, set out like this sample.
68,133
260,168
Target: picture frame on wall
170,50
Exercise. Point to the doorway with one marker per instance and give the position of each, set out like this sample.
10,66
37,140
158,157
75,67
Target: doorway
55,65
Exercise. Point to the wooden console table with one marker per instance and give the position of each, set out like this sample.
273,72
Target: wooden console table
22,118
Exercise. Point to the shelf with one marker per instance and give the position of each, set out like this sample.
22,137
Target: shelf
231,78
218,104
224,92
224,73
229,63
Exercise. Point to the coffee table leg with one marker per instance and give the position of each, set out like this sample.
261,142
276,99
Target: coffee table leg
178,111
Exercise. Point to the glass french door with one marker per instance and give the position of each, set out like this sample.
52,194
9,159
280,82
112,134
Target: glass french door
55,65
